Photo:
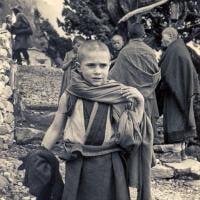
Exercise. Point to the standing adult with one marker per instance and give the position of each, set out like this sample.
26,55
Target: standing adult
136,66
69,63
178,86
22,30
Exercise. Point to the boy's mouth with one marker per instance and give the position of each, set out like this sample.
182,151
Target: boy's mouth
97,78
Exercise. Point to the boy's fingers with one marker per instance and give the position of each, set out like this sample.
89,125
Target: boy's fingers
130,90
126,94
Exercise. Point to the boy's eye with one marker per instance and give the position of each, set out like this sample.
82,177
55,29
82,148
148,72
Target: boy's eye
103,65
91,65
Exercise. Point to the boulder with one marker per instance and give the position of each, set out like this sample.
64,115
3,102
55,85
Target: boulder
4,78
169,157
4,129
9,107
7,92
6,65
187,167
162,172
2,86
2,106
167,148
1,118
9,118
4,183
3,52
40,119
27,135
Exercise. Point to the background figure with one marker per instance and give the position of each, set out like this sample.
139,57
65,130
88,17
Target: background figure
69,62
22,30
117,43
178,87
137,66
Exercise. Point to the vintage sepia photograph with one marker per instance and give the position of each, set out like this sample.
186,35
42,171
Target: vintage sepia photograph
99,99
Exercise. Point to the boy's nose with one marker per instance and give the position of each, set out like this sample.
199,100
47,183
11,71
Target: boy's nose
97,70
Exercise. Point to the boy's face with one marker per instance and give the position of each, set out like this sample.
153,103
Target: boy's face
117,42
95,67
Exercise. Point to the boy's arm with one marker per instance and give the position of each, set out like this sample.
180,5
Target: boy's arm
57,125
133,95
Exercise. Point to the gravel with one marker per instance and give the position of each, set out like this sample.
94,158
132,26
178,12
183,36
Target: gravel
162,189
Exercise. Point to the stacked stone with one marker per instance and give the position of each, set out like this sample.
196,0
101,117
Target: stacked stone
6,106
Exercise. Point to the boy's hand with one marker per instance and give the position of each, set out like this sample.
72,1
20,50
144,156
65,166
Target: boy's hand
133,94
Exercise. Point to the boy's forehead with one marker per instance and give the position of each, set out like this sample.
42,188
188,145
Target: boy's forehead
97,54
117,38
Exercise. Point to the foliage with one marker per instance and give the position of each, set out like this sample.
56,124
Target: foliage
89,17
99,17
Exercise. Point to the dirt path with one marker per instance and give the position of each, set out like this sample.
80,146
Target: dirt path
9,161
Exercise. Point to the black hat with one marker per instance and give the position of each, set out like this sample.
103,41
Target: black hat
136,30
17,9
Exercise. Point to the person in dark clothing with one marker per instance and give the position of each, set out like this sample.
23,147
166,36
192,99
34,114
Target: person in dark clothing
136,66
89,112
178,87
69,63
22,30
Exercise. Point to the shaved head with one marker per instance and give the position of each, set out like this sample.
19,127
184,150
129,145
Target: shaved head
91,46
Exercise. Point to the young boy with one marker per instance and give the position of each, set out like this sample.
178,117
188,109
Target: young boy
117,42
89,111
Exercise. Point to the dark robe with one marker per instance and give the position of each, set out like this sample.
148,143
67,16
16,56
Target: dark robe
136,66
97,177
178,86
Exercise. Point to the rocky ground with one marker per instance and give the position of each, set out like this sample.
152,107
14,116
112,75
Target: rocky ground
11,186
39,90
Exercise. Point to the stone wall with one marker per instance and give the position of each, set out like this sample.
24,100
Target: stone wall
38,93
28,95
6,91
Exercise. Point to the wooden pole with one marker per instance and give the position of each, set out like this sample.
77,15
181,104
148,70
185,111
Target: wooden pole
141,10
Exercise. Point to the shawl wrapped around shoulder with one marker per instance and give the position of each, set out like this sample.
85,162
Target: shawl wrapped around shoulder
139,161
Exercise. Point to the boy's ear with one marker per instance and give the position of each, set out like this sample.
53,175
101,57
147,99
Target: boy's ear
78,64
